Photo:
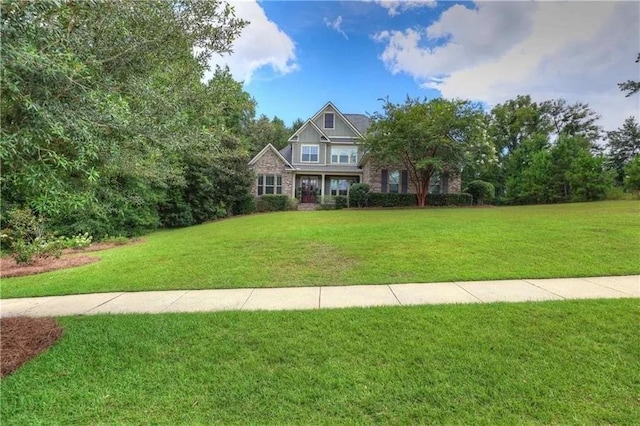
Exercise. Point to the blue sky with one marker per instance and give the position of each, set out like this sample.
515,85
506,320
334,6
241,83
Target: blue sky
296,56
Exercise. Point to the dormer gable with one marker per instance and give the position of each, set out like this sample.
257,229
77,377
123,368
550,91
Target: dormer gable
308,132
328,125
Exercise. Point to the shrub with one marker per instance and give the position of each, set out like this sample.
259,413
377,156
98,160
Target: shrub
21,224
614,193
632,175
25,237
292,203
274,203
358,194
481,191
77,241
378,199
340,202
246,205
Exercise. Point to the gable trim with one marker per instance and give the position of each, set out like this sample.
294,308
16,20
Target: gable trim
312,124
339,114
264,151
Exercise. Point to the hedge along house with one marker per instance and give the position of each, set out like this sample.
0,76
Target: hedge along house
325,156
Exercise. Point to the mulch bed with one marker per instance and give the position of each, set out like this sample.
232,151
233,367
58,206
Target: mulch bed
22,338
9,267
69,259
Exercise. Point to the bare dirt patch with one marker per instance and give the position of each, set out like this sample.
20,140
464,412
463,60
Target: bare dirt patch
22,338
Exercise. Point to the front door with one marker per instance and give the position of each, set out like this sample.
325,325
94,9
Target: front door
309,185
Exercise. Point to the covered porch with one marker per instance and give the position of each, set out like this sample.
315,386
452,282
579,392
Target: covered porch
323,187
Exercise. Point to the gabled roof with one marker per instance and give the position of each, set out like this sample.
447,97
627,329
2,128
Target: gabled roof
349,123
272,148
308,123
287,153
359,121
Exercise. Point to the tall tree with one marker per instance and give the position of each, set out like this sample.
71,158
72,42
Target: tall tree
565,171
297,123
576,119
99,105
264,131
623,144
631,86
425,136
511,124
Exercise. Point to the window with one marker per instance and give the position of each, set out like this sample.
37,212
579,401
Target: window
328,120
344,155
340,186
309,153
435,184
394,181
269,184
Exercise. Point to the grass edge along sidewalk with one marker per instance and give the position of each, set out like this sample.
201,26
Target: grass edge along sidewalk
534,363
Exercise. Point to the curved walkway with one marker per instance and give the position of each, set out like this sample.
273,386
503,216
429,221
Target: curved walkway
324,297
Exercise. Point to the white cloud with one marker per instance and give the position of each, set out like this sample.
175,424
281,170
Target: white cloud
261,44
395,7
336,25
577,51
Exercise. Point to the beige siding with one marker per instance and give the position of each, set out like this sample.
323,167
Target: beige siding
309,134
341,128
296,153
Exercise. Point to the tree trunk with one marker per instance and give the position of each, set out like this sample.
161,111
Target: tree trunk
422,191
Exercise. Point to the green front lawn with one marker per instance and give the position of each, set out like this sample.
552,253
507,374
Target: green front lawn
364,247
572,362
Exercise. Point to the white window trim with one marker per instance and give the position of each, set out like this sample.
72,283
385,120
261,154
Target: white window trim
324,120
302,150
349,163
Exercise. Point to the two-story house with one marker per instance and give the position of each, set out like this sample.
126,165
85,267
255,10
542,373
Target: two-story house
324,157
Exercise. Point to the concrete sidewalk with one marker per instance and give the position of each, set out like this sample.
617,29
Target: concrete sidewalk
324,297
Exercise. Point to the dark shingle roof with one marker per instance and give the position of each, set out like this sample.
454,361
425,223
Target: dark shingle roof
359,121
286,152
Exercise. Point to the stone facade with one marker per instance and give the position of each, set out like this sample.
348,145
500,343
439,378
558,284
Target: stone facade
454,184
271,164
372,175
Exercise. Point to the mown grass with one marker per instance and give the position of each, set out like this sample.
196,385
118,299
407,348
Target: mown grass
534,363
364,247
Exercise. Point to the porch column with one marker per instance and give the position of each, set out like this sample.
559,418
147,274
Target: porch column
322,189
293,185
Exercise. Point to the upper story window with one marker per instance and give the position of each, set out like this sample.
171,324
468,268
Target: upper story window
329,120
310,153
344,155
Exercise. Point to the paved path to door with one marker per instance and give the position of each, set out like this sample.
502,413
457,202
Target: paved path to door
249,299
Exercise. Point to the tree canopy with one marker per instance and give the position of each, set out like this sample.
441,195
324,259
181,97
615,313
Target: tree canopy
425,136
107,127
